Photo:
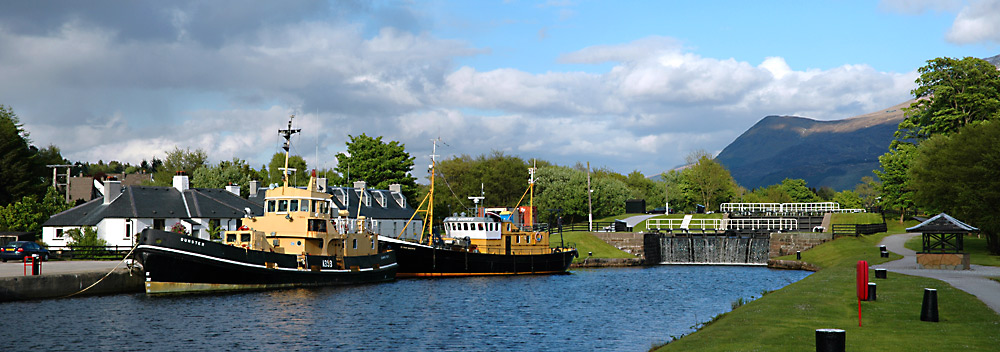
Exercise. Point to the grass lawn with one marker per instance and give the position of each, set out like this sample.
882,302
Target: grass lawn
978,254
586,242
856,218
786,320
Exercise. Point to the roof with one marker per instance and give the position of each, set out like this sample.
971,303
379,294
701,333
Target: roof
942,223
383,204
157,203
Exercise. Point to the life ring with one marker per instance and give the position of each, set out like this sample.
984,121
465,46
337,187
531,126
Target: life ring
538,237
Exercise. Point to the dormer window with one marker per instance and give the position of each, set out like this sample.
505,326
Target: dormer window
341,195
366,199
379,198
400,199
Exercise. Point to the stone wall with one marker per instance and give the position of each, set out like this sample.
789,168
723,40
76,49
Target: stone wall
628,242
945,261
790,242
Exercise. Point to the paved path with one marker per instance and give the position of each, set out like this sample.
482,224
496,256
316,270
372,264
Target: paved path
635,220
975,281
12,268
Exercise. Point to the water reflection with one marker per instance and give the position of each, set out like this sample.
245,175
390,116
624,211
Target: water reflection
605,309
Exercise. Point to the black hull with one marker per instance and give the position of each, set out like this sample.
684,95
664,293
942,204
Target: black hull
423,261
176,263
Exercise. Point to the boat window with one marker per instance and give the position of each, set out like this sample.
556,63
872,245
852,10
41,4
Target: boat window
314,204
465,226
480,226
527,239
508,226
373,243
270,206
294,206
230,237
355,243
283,205
276,243
244,237
517,239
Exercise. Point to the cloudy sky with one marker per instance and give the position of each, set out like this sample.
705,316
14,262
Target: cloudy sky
622,84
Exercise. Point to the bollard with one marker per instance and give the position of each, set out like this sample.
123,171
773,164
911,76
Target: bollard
881,273
871,291
35,268
929,309
798,255
882,249
884,254
830,340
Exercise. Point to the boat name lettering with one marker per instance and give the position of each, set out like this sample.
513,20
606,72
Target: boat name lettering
190,241
327,263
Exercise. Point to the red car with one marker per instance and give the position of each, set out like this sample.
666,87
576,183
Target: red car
20,249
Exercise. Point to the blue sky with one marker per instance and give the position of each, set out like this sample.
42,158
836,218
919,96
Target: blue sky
629,85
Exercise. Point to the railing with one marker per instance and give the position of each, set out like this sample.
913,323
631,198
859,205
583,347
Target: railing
599,226
669,224
821,207
783,224
858,229
90,252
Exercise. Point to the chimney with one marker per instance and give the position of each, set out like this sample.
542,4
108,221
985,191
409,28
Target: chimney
181,182
254,185
234,189
359,184
321,184
395,188
112,188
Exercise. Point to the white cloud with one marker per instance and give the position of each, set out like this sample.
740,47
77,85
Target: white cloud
979,22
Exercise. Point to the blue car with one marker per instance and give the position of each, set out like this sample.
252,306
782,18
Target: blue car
20,249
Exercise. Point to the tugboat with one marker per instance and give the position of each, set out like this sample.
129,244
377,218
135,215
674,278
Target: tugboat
294,243
487,244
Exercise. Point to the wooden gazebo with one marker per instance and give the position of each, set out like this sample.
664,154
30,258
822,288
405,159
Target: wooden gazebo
943,243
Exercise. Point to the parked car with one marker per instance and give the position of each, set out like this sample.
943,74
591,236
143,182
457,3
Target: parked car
20,249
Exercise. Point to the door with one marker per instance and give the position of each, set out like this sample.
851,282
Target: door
507,244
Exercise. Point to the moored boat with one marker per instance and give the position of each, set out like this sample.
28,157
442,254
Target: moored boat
294,243
489,244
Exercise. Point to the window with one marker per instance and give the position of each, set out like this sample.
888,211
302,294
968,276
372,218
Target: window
480,226
244,237
159,224
128,230
517,239
314,204
270,206
283,205
59,233
276,243
294,206
230,237
355,243
373,243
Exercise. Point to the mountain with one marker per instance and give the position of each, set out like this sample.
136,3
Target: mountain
824,153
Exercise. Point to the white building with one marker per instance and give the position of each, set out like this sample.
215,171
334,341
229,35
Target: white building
122,213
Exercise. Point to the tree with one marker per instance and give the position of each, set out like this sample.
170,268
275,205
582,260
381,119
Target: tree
796,190
18,170
869,192
29,213
179,160
235,172
378,163
300,177
560,187
708,181
950,94
895,190
847,199
960,174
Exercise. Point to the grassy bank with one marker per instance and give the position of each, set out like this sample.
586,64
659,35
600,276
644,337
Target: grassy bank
786,320
586,242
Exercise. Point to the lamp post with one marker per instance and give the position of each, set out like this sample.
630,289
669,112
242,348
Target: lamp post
590,207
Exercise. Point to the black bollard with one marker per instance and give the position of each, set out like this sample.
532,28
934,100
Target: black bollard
884,254
871,291
831,340
798,255
882,249
881,273
929,310
35,270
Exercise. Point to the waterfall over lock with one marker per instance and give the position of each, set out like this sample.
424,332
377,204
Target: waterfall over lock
726,250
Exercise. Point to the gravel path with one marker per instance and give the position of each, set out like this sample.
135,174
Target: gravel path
975,281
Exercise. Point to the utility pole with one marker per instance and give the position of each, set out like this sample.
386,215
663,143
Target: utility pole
666,196
590,207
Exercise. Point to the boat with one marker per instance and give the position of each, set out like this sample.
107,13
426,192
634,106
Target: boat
486,244
296,242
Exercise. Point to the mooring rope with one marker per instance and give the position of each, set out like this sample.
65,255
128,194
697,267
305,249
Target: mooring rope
105,275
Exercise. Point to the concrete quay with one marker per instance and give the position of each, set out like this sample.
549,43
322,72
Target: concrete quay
59,279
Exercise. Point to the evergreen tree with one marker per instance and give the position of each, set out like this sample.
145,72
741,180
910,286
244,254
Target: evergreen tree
19,175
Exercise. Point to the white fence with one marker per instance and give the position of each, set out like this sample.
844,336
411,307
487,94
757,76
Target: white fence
781,224
821,207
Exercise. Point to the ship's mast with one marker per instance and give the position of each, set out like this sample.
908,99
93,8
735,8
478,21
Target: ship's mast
531,188
287,133
430,206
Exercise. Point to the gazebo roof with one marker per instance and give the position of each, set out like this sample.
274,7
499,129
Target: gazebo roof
942,223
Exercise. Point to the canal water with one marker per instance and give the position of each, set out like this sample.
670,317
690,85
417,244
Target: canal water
618,309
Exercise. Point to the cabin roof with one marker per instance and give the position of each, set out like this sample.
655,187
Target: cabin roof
942,223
